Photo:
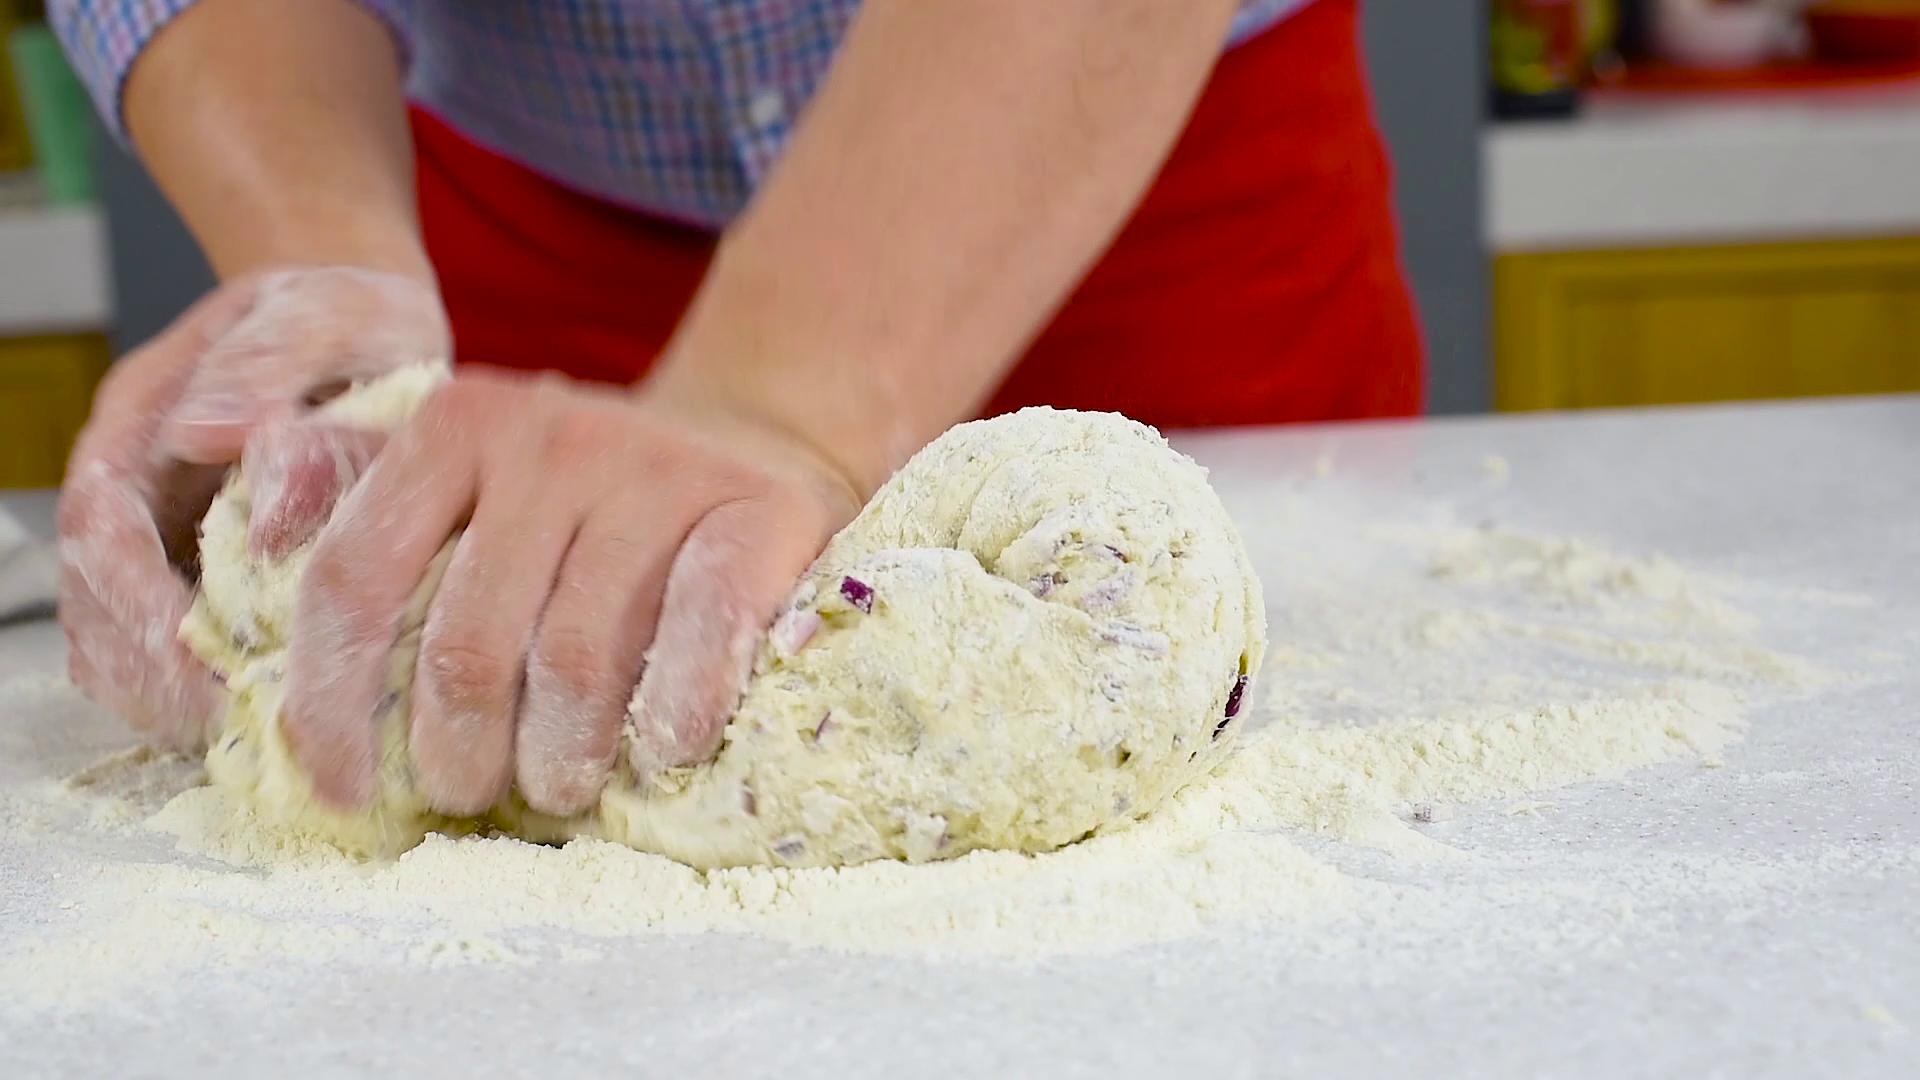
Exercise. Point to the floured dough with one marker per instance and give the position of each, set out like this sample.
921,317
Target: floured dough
1037,630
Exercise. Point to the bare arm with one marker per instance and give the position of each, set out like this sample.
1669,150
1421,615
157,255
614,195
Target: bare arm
964,164
279,133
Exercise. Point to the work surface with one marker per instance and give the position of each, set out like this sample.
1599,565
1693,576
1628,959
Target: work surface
1755,918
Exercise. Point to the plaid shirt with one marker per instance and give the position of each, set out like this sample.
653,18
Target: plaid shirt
677,107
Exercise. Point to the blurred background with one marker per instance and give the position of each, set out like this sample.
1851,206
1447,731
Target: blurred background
1603,203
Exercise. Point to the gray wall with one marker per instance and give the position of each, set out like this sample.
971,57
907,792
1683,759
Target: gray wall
157,268
1425,60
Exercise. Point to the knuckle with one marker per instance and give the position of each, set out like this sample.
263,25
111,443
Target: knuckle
571,661
468,672
335,593
333,579
574,438
327,572
458,403
623,545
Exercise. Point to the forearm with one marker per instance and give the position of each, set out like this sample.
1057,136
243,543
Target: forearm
964,164
279,133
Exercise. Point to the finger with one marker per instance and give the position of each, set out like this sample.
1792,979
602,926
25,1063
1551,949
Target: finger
120,435
218,413
296,471
140,389
82,673
588,652
121,604
727,581
474,647
367,563
121,599
114,671
310,333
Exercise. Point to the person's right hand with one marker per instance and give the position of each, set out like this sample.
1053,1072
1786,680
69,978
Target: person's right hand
251,357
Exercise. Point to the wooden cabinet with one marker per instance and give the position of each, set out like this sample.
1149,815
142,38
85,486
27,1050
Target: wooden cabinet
1642,327
46,387
15,152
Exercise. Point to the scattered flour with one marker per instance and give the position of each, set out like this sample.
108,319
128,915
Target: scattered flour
1497,469
1417,672
1223,854
1587,577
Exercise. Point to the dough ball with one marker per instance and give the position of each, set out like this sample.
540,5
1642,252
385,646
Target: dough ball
1040,628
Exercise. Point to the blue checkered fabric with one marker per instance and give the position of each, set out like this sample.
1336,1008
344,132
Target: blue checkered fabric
677,107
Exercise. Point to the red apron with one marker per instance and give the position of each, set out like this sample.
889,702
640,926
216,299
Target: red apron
1257,282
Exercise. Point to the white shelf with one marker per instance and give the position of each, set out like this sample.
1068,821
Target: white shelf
1632,173
53,271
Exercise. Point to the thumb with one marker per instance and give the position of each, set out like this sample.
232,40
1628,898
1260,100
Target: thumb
215,419
297,470
234,387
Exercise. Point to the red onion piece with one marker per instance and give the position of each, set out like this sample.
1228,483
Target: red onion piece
1234,695
858,593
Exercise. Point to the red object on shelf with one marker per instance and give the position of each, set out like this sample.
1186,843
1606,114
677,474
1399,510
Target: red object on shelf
1884,36
1658,78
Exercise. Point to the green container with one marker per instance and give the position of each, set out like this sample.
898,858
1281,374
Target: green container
59,116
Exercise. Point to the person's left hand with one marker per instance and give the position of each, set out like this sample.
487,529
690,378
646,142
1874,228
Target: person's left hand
609,538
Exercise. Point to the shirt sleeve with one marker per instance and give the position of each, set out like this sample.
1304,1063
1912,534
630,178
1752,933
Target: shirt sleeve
104,37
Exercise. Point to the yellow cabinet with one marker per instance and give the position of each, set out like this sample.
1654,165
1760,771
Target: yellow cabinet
15,153
46,387
1644,327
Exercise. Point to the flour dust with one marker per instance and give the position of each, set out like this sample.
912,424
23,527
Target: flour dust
1422,671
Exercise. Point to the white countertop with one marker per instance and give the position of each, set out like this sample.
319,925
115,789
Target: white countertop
1745,975
1640,171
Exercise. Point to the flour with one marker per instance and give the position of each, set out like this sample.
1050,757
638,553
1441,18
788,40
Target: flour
1420,673
1222,854
1585,576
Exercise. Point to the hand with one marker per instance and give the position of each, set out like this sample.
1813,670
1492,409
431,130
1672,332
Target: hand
610,539
251,356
